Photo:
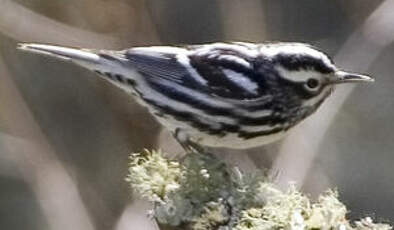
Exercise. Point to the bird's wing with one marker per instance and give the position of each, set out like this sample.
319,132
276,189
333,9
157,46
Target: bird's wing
155,65
219,71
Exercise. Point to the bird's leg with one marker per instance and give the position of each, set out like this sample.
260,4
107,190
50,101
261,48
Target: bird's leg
188,145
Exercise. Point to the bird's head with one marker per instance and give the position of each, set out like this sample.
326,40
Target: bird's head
304,76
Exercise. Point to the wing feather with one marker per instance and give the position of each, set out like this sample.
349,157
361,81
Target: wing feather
218,71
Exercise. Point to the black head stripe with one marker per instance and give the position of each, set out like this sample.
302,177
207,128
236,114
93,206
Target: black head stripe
297,62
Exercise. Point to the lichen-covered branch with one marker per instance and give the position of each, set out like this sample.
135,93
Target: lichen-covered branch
200,192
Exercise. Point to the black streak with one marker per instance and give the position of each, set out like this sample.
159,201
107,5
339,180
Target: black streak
211,69
119,77
250,135
108,74
297,62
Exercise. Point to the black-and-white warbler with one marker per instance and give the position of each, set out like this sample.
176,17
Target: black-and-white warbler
235,95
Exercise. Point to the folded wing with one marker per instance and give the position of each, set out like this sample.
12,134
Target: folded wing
216,71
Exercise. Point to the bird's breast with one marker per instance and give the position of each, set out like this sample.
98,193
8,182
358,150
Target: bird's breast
235,140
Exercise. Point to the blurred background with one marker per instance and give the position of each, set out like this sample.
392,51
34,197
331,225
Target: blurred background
65,135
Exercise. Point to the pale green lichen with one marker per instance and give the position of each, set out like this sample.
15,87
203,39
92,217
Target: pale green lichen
202,193
284,209
252,219
153,176
281,210
328,213
293,211
214,215
368,224
205,180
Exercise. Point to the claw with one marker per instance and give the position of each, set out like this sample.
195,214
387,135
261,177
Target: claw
188,145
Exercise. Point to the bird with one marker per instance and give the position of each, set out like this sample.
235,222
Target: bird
236,95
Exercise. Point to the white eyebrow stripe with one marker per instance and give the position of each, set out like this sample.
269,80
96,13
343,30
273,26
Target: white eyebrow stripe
241,80
297,75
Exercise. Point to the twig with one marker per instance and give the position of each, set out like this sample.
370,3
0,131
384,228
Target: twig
56,192
23,24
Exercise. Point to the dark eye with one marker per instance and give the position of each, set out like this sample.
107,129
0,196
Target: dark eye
312,83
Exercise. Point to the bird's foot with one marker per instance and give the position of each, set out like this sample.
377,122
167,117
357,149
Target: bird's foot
188,145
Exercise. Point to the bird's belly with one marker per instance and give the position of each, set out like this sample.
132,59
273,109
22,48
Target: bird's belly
232,140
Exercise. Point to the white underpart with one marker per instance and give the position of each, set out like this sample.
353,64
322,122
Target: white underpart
230,140
262,128
294,49
241,81
234,141
255,114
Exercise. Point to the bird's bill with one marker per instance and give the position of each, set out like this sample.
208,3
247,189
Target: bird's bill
346,77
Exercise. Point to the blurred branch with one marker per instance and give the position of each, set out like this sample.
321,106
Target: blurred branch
243,20
56,192
23,24
135,216
7,160
299,150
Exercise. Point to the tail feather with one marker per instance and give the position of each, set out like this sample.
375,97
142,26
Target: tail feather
104,62
73,54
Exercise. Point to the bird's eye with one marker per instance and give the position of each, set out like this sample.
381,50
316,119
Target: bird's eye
312,83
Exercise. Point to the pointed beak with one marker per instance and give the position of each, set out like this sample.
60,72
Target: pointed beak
346,77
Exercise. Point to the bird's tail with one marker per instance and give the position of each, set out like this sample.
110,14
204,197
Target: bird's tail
79,56
108,64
